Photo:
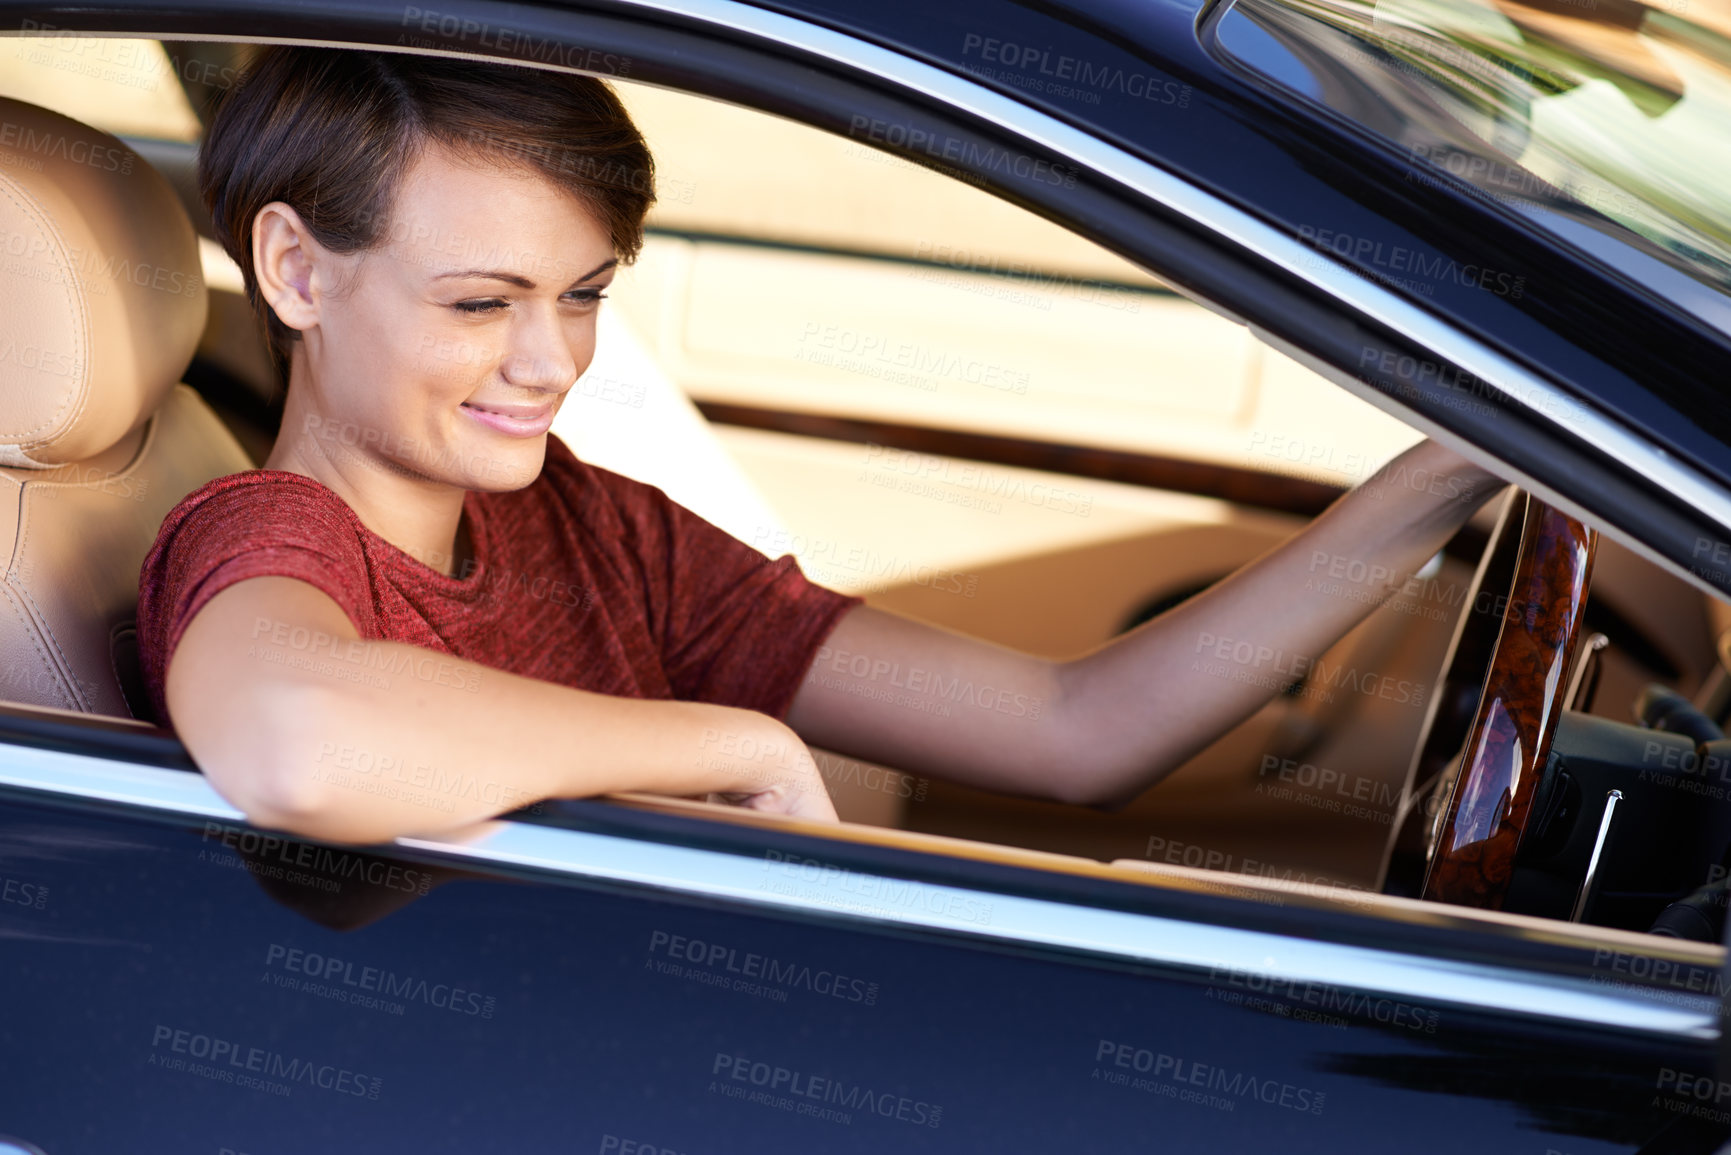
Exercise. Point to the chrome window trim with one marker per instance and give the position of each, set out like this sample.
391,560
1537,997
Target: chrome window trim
861,898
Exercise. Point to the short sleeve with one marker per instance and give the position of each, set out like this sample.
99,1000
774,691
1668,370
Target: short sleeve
734,627
265,523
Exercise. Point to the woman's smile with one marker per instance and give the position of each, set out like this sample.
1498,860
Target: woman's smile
515,419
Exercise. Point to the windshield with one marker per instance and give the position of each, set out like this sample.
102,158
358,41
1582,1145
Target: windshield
1602,120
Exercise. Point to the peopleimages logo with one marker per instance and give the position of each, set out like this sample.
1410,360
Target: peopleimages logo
361,654
885,357
919,680
226,1061
374,980
751,966
819,881
106,158
994,267
1429,270
1328,997
51,260
449,27
1180,1075
1707,775
1297,667
1661,974
18,892
861,563
801,1092
1701,1087
1323,780
1068,75
976,157
324,864
927,473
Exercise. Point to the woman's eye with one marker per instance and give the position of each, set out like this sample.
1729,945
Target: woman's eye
587,298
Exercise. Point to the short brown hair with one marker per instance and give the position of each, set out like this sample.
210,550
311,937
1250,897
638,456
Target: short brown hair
330,132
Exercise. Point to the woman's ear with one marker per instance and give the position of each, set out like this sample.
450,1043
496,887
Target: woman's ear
282,259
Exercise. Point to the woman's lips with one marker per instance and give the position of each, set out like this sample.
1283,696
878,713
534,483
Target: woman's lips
513,420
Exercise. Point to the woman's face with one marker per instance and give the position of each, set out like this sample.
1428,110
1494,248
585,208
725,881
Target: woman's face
444,352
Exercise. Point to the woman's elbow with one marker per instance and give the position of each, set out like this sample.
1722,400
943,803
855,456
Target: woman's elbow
1096,792
286,798
1100,780
270,768
1066,764
275,790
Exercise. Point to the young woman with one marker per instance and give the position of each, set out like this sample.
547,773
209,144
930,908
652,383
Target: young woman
425,611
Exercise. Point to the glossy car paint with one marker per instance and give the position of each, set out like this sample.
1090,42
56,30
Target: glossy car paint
236,988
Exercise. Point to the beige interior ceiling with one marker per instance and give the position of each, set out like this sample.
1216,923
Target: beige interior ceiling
721,168
1152,373
980,316
127,87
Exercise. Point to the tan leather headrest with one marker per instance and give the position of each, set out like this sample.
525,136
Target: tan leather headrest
101,298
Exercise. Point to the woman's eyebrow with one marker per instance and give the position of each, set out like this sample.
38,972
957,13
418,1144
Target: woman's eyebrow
518,279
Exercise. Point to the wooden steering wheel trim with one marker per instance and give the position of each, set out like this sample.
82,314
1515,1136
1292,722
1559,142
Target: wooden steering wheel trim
1517,714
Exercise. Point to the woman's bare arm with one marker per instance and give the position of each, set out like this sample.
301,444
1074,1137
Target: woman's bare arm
1102,728
307,728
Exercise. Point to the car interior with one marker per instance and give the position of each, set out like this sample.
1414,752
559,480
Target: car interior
931,397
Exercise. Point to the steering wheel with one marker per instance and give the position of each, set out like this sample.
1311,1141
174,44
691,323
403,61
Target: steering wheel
1488,729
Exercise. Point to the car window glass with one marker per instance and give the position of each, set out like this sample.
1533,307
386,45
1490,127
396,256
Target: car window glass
1601,118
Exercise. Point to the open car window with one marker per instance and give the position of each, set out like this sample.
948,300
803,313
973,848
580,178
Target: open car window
917,388
945,314
867,345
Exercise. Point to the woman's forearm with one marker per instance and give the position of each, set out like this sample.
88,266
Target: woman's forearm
382,763
1146,702
329,736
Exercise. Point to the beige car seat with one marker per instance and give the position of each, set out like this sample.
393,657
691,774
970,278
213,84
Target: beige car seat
101,305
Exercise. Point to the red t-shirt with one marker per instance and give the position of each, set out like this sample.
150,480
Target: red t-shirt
583,578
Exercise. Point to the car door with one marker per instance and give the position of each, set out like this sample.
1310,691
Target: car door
608,978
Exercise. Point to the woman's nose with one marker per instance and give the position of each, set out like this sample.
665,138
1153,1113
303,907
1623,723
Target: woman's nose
540,357
538,370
